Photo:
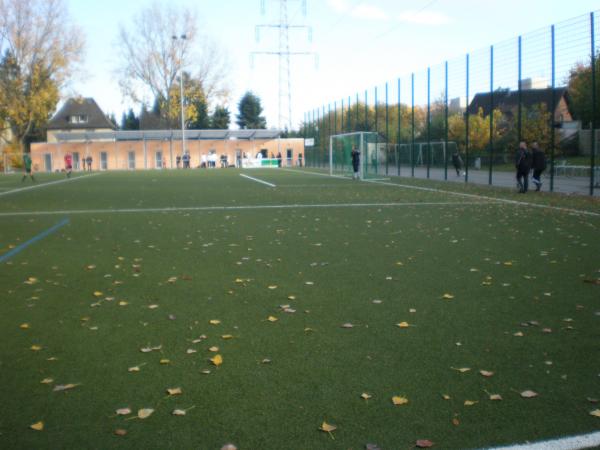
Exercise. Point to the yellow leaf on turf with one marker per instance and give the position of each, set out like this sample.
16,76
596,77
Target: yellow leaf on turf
495,397
486,373
165,361
38,426
446,397
447,296
24,326
470,402
461,369
214,322
47,381
144,413
98,294
217,360
396,400
366,396
274,286
213,349
35,348
403,325
327,427
175,391
123,303
595,413
227,336
272,319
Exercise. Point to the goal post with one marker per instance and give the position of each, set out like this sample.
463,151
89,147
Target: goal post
375,154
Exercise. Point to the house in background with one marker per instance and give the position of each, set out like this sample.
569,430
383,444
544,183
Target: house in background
78,115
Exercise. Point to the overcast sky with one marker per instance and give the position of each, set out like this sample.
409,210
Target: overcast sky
360,44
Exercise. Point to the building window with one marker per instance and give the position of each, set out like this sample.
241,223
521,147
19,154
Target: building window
77,119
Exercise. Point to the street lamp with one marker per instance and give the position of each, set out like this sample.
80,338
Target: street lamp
183,37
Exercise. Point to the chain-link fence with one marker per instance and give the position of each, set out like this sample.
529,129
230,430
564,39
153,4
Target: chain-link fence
463,120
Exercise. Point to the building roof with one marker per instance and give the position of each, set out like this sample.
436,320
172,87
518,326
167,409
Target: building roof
506,100
165,135
86,107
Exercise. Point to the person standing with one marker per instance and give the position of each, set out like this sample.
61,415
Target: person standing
27,167
88,161
538,164
178,161
68,164
355,162
457,162
279,159
523,166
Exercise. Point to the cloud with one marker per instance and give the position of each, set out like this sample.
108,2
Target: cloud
369,12
424,17
340,6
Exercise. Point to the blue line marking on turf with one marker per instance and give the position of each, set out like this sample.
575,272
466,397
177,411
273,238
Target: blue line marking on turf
33,240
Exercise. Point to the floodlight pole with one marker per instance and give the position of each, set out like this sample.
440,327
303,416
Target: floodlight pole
183,37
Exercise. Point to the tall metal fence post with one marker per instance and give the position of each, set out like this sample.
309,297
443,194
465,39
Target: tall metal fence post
467,125
491,145
357,121
387,136
399,140
412,147
520,93
446,120
366,111
334,131
553,135
428,120
376,134
594,107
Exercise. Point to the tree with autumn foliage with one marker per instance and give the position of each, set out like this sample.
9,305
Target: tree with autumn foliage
39,50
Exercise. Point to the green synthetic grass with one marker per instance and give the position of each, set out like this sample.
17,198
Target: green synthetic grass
505,265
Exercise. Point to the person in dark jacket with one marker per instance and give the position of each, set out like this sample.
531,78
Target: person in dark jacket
355,162
523,166
538,164
457,162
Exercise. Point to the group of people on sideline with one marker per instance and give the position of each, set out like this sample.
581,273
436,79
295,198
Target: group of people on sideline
525,162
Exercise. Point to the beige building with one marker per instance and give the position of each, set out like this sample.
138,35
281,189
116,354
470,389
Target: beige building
82,130
159,149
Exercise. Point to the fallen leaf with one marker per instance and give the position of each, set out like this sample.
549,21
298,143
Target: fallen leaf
120,432
274,286
179,412
152,306
213,349
35,348
144,413
347,325
486,373
461,369
366,396
189,351
175,391
123,303
424,443
24,326
38,426
165,361
455,422
227,336
447,296
595,413
98,294
470,402
403,325
47,381
272,319
64,387
372,447
123,411
217,360
529,394
396,400
214,322
327,427
495,397
446,397
518,334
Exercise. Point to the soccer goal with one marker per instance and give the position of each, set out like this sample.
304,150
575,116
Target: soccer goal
375,154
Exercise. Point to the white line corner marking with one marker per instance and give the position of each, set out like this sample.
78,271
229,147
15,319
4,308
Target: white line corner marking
257,180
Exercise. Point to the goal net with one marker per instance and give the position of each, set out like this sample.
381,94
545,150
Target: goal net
375,154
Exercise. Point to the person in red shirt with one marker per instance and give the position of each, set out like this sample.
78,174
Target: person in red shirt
68,164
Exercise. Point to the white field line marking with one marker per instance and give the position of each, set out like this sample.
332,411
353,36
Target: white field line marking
475,196
36,186
257,180
235,208
589,440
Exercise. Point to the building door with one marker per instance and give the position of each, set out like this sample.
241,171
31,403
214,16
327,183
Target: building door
158,160
131,160
103,160
288,156
76,160
48,162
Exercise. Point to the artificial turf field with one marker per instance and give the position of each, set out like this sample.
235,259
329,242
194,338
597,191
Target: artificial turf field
306,284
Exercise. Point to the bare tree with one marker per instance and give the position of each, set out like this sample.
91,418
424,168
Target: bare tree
39,50
159,45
